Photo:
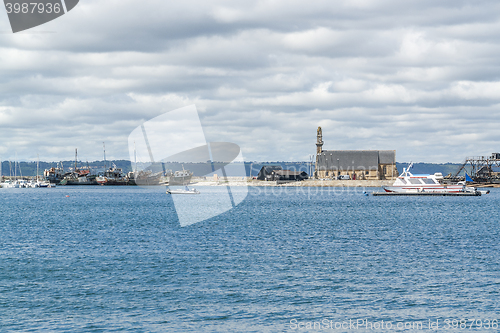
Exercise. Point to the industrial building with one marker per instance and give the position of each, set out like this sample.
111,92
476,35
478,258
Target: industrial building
266,172
354,164
289,175
276,173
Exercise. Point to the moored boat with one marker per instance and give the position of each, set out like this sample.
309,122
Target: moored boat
113,176
80,177
410,183
145,178
10,184
180,177
54,175
186,190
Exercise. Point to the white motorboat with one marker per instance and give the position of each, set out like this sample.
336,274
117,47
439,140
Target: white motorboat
410,183
39,183
186,190
10,184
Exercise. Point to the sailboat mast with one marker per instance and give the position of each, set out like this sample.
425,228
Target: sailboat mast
104,149
135,159
76,158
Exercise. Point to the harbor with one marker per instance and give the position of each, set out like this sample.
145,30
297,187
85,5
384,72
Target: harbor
331,168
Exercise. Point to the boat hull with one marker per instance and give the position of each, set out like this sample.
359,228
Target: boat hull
179,180
183,192
431,189
113,182
433,194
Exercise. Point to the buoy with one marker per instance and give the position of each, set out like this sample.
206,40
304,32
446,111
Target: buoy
67,196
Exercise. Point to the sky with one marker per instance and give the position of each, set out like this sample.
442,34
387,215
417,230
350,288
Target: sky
420,77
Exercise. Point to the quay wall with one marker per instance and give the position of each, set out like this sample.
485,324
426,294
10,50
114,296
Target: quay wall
245,181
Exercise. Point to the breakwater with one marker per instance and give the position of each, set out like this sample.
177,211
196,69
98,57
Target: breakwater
245,181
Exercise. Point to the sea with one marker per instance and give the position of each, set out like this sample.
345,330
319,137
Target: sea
117,259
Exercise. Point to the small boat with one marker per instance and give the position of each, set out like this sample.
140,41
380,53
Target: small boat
146,178
54,175
112,176
80,177
410,183
10,184
42,184
186,190
179,177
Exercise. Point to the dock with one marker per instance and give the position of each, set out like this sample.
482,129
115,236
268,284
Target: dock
431,194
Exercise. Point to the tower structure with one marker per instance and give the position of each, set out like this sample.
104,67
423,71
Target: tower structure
319,148
319,142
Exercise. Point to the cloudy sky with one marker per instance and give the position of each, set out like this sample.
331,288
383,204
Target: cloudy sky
418,76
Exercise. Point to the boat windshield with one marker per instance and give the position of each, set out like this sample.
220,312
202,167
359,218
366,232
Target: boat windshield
429,181
415,181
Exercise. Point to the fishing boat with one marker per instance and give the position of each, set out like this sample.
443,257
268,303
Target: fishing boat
186,190
113,176
78,176
180,177
54,175
410,183
146,178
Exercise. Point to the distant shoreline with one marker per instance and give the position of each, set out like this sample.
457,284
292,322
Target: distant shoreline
29,169
246,181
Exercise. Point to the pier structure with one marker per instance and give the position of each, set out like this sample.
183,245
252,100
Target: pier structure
429,194
480,168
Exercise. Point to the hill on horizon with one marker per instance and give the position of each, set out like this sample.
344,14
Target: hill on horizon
29,169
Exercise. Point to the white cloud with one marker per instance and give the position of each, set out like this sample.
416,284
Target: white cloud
420,77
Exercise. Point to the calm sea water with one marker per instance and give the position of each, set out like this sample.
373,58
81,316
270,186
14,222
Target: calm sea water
115,259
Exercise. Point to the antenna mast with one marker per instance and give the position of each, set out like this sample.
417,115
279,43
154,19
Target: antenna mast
135,160
104,148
